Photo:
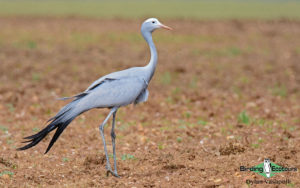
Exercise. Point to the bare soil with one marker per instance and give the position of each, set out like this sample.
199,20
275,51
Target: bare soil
190,133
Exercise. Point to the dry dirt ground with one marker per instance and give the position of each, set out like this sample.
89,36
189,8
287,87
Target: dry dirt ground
225,94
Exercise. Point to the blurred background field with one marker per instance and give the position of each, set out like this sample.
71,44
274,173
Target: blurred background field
189,9
226,91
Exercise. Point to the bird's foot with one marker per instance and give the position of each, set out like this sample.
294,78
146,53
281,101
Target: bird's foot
112,173
109,170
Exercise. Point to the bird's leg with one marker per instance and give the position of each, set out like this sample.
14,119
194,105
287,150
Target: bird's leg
113,137
101,128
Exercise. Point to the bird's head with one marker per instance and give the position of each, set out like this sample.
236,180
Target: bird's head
152,24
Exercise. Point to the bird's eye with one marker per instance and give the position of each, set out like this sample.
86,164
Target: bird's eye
153,22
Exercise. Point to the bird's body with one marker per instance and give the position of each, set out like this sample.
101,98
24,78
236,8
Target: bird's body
114,93
111,91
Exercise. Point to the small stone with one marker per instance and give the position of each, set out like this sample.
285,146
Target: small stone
143,139
218,180
35,98
250,104
237,174
230,137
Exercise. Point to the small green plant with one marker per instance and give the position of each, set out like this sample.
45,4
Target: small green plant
165,128
166,78
283,125
237,90
244,118
292,128
6,172
187,114
244,80
297,120
81,120
65,159
176,91
234,51
223,130
170,100
201,122
48,112
10,107
182,124
35,129
182,127
127,156
3,128
260,122
260,140
14,166
230,127
255,146
279,91
286,138
179,139
9,141
36,77
248,184
192,125
269,129
161,146
34,118
31,44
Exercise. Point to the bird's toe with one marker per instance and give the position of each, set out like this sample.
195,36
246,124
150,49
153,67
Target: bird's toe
112,173
116,175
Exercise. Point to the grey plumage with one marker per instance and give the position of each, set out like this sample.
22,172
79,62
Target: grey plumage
111,91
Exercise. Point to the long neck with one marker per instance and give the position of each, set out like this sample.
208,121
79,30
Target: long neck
150,68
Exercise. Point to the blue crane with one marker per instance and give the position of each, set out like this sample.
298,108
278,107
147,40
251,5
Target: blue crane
111,91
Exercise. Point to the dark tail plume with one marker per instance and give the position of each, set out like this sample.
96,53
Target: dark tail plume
59,122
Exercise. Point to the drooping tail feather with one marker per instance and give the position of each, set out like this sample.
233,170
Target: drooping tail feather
59,122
